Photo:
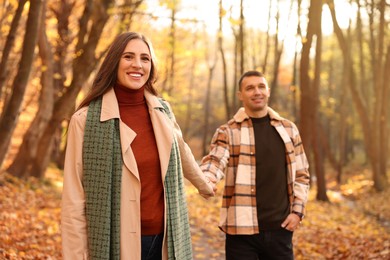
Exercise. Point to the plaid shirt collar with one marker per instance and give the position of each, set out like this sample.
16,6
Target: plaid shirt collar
241,115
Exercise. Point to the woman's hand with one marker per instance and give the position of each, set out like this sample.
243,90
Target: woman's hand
212,183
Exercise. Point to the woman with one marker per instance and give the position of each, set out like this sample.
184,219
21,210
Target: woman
123,194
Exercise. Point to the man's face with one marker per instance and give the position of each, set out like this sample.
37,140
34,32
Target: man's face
254,94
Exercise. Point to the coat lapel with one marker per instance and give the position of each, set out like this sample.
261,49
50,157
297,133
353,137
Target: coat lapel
110,110
127,137
163,131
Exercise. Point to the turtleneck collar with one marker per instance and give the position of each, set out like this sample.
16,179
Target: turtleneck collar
261,120
127,96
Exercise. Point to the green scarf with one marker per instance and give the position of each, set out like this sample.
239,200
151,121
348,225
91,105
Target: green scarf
102,162
178,227
102,184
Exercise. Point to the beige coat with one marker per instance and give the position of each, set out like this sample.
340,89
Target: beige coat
73,222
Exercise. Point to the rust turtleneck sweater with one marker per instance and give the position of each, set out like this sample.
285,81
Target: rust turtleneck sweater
134,113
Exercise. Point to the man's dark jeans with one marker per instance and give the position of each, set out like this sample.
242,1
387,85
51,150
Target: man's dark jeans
272,244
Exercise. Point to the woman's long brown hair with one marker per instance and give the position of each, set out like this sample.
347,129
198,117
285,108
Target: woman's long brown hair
107,74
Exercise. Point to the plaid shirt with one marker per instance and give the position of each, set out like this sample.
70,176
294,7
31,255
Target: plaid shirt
232,151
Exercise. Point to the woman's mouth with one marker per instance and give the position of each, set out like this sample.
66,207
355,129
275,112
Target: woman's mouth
134,75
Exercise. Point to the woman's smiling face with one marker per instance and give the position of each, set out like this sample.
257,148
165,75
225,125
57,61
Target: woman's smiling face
135,65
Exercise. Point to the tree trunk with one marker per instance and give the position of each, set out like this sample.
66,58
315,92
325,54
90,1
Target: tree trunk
294,86
309,96
28,149
317,147
241,37
11,111
9,43
343,130
224,66
235,103
238,56
383,133
371,124
305,83
382,90
275,100
344,102
83,65
191,88
267,41
129,7
205,142
277,56
63,14
172,41
207,107
362,58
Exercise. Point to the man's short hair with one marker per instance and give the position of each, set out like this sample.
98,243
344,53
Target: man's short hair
249,73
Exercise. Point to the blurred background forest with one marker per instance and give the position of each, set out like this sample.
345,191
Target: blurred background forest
327,63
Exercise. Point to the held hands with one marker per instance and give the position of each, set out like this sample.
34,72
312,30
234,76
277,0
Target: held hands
211,181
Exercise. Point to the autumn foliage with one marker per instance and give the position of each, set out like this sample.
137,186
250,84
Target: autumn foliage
355,225
29,219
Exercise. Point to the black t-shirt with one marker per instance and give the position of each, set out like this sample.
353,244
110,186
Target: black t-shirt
271,175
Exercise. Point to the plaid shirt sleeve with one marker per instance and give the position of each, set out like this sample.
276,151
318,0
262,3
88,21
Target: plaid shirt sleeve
301,179
214,164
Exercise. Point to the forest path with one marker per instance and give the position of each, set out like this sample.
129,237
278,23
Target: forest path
30,222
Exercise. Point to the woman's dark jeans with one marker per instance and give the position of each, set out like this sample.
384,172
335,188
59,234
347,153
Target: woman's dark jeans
152,247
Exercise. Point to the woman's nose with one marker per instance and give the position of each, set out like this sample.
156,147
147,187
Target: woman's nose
137,63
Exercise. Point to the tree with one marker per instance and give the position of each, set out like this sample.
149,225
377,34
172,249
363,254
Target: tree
11,111
316,124
241,37
191,86
169,80
309,94
278,51
91,25
96,14
223,59
211,67
374,124
127,10
238,53
335,143
10,43
28,149
267,42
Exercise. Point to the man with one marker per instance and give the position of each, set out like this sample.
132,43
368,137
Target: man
267,178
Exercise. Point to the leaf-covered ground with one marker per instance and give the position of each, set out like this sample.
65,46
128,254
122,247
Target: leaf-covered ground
29,219
355,225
